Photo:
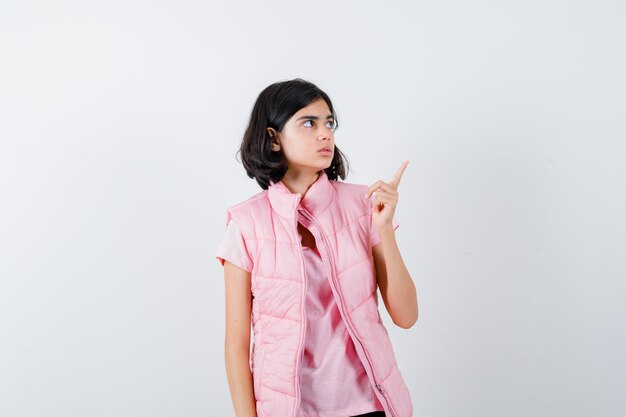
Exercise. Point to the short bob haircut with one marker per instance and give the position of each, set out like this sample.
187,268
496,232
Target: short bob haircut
274,106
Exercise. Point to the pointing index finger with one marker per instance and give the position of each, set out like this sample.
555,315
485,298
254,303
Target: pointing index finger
398,175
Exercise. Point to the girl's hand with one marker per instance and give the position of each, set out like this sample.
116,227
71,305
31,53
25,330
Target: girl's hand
386,198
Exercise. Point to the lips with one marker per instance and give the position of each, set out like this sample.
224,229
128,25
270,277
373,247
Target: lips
325,148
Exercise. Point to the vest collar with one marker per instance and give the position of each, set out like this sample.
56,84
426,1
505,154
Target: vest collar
316,199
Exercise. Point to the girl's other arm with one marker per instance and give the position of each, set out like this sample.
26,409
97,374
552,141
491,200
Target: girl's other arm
395,282
237,339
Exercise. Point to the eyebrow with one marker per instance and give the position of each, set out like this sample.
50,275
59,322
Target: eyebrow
330,116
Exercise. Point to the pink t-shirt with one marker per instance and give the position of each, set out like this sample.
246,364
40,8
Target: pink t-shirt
332,385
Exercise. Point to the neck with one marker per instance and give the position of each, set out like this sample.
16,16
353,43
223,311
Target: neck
299,183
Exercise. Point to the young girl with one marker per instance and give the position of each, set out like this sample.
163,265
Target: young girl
303,260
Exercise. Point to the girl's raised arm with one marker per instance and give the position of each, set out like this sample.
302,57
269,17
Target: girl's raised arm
237,339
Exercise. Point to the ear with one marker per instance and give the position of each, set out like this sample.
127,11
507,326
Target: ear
275,142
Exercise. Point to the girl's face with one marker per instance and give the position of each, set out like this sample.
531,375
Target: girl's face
307,132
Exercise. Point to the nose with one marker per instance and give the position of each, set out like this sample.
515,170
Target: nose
325,133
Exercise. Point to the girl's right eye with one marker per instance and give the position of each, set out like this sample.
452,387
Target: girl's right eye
307,122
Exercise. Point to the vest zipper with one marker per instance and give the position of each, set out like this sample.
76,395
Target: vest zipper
303,333
345,315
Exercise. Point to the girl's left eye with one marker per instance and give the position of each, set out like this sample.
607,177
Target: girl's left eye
332,123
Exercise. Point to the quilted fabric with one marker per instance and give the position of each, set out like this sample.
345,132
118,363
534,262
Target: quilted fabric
268,227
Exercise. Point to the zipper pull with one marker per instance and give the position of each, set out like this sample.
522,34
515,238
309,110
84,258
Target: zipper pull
382,391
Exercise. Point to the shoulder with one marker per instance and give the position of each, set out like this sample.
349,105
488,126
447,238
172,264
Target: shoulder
245,208
353,193
349,188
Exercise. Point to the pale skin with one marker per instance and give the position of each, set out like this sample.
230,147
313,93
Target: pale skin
394,281
307,131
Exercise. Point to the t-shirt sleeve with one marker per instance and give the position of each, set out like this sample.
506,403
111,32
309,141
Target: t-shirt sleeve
233,248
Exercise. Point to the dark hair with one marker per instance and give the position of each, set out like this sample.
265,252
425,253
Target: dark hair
276,104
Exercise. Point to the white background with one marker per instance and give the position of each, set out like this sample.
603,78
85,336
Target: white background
119,124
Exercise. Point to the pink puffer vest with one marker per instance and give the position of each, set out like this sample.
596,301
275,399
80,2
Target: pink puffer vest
268,223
